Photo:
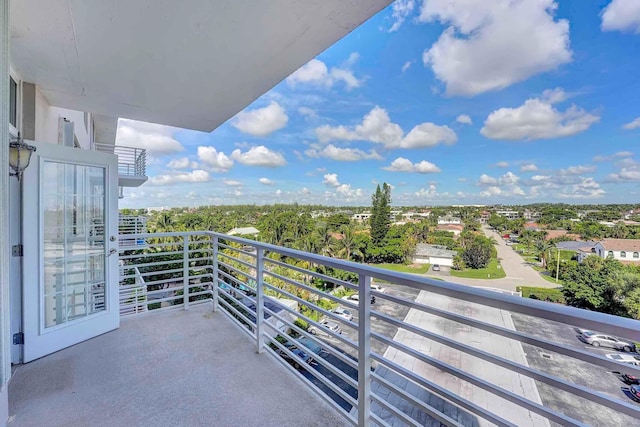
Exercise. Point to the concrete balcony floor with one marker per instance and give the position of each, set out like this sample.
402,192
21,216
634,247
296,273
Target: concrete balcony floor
191,368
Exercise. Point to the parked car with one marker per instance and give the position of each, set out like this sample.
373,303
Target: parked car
602,340
629,379
435,267
355,299
634,391
310,345
332,326
378,288
300,356
344,313
625,358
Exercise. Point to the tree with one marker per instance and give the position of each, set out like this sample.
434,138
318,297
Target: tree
477,253
380,213
542,248
347,245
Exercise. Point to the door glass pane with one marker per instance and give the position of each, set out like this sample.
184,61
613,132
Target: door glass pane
73,241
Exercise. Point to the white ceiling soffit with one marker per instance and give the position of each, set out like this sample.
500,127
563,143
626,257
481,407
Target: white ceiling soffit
191,64
105,128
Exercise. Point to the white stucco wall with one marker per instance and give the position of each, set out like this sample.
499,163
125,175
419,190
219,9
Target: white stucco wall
603,253
47,122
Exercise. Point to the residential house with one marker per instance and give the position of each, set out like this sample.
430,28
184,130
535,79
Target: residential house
449,219
626,250
484,217
433,254
508,213
456,229
581,248
553,234
243,231
361,217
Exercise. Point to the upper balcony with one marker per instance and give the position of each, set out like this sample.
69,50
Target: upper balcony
132,163
416,351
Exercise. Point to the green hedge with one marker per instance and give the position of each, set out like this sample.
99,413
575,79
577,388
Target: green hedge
544,294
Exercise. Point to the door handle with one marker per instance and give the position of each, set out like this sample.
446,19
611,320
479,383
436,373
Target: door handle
112,251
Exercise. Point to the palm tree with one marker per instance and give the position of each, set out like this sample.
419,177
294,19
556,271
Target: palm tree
347,245
542,247
164,222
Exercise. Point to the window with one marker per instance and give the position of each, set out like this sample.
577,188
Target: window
13,102
636,255
623,254
610,253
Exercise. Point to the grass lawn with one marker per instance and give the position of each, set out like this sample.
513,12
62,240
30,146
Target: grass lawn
490,272
551,279
402,268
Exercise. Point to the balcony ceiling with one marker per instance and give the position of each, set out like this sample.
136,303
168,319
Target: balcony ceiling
192,65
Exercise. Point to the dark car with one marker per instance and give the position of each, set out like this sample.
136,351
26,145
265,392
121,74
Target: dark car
634,391
301,356
630,379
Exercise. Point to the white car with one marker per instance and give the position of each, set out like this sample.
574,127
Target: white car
344,313
378,288
355,299
625,358
332,326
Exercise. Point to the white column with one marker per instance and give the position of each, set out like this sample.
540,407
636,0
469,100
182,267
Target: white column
5,326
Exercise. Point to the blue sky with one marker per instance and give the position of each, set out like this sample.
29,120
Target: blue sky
449,101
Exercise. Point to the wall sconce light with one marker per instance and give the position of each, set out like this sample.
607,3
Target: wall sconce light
19,156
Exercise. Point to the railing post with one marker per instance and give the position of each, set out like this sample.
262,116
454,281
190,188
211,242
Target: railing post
185,271
215,274
364,350
259,300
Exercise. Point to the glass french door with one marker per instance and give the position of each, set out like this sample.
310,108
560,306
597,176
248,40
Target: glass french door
70,280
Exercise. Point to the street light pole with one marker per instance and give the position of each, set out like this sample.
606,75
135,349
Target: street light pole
558,265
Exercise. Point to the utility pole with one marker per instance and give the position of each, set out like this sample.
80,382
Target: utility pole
558,265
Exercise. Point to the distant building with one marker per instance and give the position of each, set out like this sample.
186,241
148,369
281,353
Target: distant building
625,250
553,234
433,254
509,214
243,231
361,217
484,217
448,219
456,229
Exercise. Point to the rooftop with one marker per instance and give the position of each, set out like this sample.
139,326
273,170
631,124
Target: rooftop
621,244
166,368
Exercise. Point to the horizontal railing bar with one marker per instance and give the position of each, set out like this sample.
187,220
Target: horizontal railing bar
314,274
483,384
236,322
346,378
397,412
563,314
251,254
455,399
230,267
315,373
231,308
430,410
239,261
576,353
575,389
238,301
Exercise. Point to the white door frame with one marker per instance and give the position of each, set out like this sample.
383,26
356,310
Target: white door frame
40,341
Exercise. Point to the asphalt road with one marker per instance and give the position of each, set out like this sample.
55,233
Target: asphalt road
573,370
518,271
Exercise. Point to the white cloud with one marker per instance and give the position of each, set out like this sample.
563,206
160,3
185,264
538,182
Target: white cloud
168,179
406,66
490,45
405,165
529,167
464,119
232,183
331,179
634,124
427,192
342,154
622,15
487,180
536,119
278,192
502,164
315,72
266,181
308,113
624,175
156,139
587,188
400,10
216,160
182,163
554,96
617,155
577,170
261,121
377,127
259,156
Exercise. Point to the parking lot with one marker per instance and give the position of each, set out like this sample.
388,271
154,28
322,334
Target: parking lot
573,370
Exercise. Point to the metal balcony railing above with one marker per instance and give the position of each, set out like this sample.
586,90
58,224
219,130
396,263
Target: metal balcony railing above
132,163
424,352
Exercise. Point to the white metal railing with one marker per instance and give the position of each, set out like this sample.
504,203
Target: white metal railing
129,226
380,370
132,161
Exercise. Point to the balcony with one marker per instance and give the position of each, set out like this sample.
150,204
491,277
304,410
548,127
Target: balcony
132,163
426,352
